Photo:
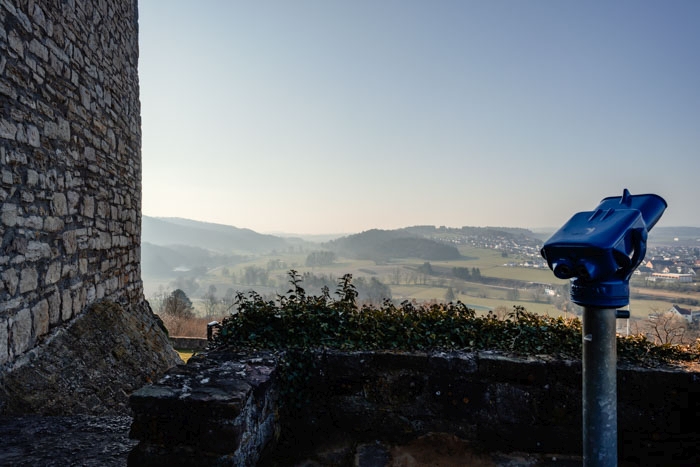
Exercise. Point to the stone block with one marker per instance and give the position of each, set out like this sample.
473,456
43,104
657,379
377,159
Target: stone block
21,332
59,205
88,207
70,243
10,307
40,315
54,307
102,209
105,241
39,49
38,17
53,273
90,294
50,130
21,136
8,214
66,305
27,197
59,54
63,129
23,20
8,90
37,250
4,344
16,43
7,178
8,130
29,280
73,199
100,291
78,301
89,154
112,285
34,222
33,136
85,97
53,224
32,177
69,270
11,280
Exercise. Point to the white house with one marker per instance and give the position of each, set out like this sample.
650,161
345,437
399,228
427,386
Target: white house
684,313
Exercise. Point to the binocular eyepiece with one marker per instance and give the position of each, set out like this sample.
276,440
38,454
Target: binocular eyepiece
600,249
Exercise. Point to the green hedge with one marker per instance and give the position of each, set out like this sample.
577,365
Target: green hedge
301,322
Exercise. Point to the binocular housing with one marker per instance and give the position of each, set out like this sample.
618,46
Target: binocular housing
600,249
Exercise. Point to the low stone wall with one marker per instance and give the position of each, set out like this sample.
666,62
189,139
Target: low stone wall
500,403
189,343
219,409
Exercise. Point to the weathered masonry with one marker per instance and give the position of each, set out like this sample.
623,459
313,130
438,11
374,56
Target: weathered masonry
226,407
70,164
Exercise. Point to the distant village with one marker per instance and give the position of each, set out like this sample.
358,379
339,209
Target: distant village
663,265
667,266
676,263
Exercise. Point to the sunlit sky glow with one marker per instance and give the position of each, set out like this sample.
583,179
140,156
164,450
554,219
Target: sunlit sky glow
329,116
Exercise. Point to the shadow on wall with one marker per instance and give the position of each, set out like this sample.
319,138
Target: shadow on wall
225,404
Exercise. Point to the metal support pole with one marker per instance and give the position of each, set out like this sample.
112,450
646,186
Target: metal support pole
599,387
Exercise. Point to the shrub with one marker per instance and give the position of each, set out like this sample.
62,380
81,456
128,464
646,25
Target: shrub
301,322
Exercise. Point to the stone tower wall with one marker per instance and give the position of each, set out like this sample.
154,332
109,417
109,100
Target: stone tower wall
70,164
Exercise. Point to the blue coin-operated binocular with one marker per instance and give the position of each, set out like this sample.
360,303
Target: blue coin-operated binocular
600,249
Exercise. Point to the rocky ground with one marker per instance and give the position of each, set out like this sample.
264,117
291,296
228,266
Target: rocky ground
103,441
90,366
65,441
432,450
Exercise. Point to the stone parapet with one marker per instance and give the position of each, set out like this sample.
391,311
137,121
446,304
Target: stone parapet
498,402
189,343
219,409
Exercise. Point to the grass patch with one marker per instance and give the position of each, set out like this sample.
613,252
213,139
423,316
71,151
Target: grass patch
185,354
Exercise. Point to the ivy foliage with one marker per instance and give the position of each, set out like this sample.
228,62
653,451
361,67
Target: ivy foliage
296,321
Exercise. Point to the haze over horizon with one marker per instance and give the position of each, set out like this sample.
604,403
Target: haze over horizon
319,117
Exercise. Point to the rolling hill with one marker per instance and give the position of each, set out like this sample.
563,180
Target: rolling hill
221,238
383,245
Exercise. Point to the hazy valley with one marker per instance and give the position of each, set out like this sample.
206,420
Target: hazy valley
485,268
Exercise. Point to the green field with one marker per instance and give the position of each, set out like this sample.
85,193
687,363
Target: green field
407,283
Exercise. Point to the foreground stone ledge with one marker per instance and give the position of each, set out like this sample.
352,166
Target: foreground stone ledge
219,409
222,407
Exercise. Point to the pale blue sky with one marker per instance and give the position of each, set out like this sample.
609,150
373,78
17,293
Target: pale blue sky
328,116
